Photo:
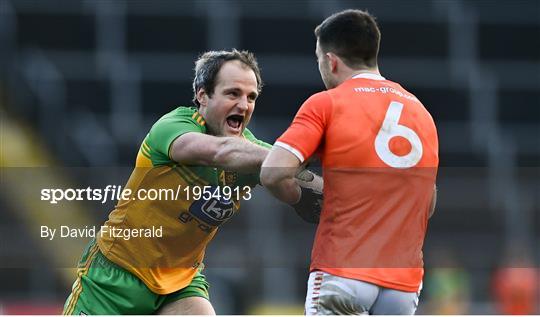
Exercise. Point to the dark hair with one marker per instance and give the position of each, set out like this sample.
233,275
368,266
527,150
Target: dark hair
353,35
208,65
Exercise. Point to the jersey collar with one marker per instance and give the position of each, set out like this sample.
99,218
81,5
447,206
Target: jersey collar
369,76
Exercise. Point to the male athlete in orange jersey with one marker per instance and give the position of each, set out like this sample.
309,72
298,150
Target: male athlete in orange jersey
379,153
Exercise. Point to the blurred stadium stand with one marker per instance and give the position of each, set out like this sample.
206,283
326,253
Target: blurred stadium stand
90,77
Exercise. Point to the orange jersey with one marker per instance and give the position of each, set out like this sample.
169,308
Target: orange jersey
379,153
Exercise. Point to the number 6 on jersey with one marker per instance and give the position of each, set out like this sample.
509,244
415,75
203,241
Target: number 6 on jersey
391,128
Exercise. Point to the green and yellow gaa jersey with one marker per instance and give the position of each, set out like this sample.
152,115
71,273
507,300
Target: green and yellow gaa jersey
194,202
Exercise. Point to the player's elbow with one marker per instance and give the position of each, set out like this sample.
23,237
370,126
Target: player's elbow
269,179
274,177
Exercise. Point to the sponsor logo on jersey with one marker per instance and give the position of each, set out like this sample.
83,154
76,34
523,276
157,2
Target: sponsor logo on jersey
213,211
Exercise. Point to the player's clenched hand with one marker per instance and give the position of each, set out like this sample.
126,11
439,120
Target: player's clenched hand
310,204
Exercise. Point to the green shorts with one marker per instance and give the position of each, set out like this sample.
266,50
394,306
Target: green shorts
104,288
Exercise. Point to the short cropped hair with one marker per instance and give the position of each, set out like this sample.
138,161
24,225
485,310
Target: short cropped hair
353,35
209,63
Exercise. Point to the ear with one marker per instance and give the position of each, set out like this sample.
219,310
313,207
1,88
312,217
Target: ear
332,61
202,97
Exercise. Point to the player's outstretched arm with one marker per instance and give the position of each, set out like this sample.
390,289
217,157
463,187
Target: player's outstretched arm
231,153
277,175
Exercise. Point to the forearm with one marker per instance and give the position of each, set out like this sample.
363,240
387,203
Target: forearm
237,154
281,183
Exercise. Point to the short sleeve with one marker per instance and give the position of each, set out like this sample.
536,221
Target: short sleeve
250,137
304,135
167,129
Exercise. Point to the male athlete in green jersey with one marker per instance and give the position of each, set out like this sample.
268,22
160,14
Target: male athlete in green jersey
191,149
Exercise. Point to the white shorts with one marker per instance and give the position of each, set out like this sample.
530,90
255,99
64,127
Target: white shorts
333,295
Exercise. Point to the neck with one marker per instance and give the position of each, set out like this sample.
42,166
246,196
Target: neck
365,71
349,73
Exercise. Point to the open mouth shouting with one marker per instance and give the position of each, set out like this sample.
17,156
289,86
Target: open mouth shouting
234,123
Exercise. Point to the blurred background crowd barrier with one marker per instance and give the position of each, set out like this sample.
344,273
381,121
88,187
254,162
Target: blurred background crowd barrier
81,83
